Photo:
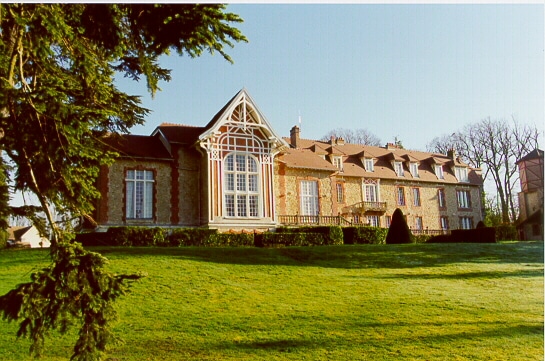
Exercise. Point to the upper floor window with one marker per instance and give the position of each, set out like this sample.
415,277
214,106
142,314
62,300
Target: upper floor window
398,167
241,186
464,199
461,174
439,171
369,165
139,194
441,198
416,197
340,193
400,196
414,169
371,192
338,162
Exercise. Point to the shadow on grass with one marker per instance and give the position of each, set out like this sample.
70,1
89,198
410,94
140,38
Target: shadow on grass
348,256
524,273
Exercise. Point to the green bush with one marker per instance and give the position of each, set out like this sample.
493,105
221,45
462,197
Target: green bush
230,239
3,238
364,235
137,236
331,234
191,236
506,232
443,238
398,232
477,235
421,238
270,239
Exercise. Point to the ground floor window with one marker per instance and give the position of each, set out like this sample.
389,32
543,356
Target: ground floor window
241,186
418,223
139,194
444,223
373,221
309,198
466,223
388,221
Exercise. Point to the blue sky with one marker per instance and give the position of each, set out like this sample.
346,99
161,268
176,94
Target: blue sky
407,71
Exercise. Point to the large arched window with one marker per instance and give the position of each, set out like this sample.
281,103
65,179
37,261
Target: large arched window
241,188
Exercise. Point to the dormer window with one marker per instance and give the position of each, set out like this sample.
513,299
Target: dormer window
414,169
369,165
338,162
398,167
439,171
461,174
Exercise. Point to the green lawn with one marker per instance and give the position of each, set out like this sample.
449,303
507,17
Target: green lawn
365,302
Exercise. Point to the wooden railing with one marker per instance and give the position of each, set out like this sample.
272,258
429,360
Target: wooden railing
289,220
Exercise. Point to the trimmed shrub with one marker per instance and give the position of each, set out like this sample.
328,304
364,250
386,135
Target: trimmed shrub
137,236
506,232
443,238
421,238
93,239
480,225
364,235
398,232
270,239
331,234
478,235
230,239
191,236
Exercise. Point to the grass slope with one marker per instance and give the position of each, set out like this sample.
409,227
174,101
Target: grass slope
365,302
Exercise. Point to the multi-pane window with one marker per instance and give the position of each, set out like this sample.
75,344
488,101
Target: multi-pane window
439,171
340,193
369,165
441,198
338,162
464,199
388,221
418,225
400,196
414,169
416,197
373,221
139,194
241,186
466,223
461,174
371,192
398,167
309,198
444,223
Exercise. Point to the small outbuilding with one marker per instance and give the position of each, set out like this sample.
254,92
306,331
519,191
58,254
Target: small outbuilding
28,237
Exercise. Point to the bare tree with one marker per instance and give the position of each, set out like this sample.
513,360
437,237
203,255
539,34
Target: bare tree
494,146
353,136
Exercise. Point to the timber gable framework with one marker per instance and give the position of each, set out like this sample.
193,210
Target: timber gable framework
236,172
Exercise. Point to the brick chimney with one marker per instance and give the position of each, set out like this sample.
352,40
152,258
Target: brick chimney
451,153
340,141
295,136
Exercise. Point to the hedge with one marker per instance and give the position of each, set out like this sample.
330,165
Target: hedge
506,232
191,236
364,235
477,235
270,239
331,234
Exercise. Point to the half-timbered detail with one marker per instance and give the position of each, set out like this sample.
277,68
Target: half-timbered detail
236,172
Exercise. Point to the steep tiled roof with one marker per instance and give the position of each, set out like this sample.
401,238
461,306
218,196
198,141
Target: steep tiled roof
534,154
179,133
311,153
138,146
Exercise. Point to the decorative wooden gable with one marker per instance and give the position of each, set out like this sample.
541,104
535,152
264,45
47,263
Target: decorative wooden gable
240,145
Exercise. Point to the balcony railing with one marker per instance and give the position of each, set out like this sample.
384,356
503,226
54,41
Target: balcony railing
363,207
431,232
289,220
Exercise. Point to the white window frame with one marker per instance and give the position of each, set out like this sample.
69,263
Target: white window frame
417,201
369,165
461,174
398,167
371,192
373,221
309,198
401,199
466,222
242,194
464,198
340,192
443,221
418,223
387,221
441,198
439,171
414,170
139,189
338,162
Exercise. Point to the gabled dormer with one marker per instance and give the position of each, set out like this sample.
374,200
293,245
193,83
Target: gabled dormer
335,156
436,165
412,164
367,161
458,168
397,163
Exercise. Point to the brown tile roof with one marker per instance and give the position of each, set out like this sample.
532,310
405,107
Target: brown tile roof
138,146
310,156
